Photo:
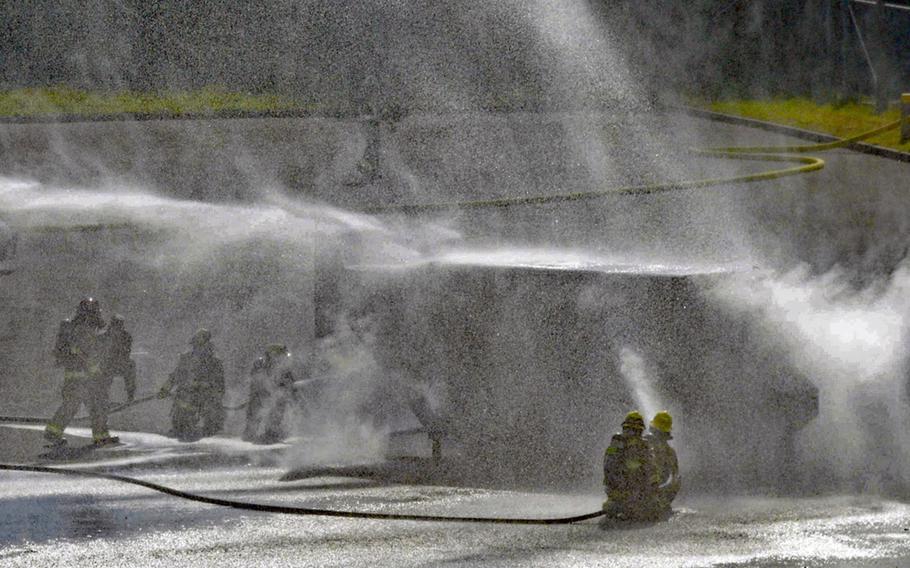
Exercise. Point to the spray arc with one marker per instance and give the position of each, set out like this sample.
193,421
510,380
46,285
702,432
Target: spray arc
497,293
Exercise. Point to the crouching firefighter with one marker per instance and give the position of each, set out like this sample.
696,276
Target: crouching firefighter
271,391
665,463
630,476
198,385
81,349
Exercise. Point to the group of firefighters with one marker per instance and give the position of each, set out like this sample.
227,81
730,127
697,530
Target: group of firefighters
93,353
641,472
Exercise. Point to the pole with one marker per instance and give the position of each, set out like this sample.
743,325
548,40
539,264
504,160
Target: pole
844,40
880,43
863,49
830,60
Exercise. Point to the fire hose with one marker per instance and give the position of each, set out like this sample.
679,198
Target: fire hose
787,154
753,153
300,511
114,410
756,153
131,403
262,508
258,507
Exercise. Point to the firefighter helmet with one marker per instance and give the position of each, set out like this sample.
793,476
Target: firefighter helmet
276,349
201,337
634,421
662,421
88,306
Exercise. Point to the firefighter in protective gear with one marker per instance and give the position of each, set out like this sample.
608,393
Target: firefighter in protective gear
117,362
629,473
665,463
81,350
271,390
198,385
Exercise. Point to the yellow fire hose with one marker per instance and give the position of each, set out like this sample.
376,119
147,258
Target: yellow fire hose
812,147
757,153
753,153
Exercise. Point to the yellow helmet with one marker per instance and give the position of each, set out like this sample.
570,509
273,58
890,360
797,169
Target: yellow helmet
662,421
634,421
201,337
276,349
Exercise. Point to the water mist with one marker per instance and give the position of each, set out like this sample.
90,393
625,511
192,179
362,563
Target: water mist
851,343
545,324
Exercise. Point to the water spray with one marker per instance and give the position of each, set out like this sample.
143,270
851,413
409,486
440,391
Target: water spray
634,370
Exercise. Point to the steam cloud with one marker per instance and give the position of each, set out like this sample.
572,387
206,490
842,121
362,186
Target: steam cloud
852,344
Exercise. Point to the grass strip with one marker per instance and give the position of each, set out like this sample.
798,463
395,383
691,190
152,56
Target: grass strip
62,100
841,120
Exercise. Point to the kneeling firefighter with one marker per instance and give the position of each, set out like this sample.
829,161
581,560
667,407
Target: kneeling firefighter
198,384
630,476
665,463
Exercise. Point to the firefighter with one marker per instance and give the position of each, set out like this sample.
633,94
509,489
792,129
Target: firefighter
629,472
271,389
198,385
117,362
665,463
81,350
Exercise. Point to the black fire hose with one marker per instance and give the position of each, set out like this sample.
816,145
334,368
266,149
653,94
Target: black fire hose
301,511
260,508
125,405
117,408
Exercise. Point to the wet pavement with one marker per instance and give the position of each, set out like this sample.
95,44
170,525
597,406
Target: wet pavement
64,521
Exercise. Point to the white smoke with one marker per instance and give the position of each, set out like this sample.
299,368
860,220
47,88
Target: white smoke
852,343
342,421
